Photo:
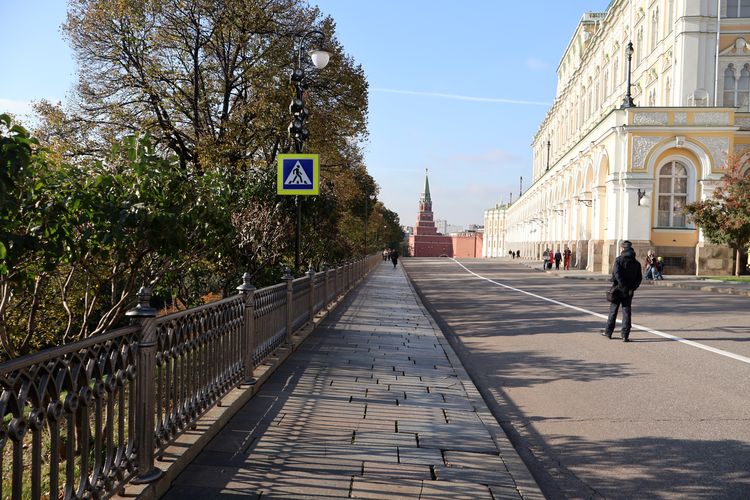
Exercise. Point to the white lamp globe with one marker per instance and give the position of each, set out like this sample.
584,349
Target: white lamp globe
320,58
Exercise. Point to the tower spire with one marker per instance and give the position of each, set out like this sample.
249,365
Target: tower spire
426,193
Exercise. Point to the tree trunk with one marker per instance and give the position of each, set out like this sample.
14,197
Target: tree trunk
737,260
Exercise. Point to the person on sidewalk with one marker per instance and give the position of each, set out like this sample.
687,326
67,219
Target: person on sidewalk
650,260
658,269
394,257
558,258
567,254
626,278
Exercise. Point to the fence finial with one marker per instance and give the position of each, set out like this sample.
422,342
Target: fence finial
143,309
246,285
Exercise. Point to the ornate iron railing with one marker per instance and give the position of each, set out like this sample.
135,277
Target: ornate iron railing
81,420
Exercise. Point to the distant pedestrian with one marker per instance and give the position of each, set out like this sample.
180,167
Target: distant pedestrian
658,269
558,258
518,254
551,260
626,278
567,254
650,261
545,259
394,257
385,254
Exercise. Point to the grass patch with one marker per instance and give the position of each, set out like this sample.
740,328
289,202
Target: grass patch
740,279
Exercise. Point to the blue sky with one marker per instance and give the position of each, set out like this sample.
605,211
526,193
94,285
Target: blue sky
425,61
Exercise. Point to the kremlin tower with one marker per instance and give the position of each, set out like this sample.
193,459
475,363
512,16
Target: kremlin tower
426,241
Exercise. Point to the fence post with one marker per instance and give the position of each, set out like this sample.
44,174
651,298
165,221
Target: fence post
311,298
145,316
248,328
326,288
289,304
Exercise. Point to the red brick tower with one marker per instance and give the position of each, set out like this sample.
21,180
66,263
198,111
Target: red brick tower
426,242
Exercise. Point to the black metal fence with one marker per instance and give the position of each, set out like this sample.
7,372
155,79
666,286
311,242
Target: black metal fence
81,420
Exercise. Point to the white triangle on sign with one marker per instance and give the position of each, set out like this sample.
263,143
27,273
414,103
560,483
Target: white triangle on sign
298,176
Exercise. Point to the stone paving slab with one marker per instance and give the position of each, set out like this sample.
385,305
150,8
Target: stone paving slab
374,404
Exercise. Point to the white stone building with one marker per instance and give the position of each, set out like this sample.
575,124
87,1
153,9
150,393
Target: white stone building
594,160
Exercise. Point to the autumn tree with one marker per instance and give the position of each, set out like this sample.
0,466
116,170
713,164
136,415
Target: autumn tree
725,218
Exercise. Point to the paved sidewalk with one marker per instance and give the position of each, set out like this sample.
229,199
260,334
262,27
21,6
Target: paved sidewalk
670,280
375,404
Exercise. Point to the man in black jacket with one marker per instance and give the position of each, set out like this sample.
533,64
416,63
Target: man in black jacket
626,278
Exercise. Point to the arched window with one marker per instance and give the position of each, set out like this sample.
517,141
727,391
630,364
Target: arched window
729,87
670,16
737,90
605,85
743,88
673,194
639,46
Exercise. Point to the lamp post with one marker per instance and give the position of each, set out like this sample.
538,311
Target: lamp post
297,130
628,101
548,146
370,197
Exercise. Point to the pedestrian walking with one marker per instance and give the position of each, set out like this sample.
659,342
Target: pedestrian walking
650,260
567,254
394,257
558,258
658,269
551,260
385,254
626,278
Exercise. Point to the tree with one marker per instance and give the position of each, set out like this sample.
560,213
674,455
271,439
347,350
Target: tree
725,218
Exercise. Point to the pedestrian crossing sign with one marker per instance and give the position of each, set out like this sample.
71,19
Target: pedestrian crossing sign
298,174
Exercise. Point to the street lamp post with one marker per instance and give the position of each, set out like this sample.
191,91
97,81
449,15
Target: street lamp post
367,216
627,102
297,130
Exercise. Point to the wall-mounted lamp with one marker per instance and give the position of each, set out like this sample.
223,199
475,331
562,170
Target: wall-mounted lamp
643,199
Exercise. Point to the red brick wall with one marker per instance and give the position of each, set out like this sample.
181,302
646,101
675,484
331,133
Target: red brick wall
430,246
467,246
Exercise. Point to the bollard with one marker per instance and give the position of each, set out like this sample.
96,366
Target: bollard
145,316
289,304
248,328
311,298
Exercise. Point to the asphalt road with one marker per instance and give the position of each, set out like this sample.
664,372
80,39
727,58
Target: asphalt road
597,418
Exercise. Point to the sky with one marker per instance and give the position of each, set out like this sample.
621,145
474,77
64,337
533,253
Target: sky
459,88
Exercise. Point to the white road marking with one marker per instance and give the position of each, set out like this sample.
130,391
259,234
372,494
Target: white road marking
604,316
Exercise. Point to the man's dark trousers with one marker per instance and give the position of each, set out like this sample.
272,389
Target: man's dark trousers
613,308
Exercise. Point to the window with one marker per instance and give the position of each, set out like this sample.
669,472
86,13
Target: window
729,86
654,29
639,46
670,15
605,85
738,8
668,92
737,90
673,193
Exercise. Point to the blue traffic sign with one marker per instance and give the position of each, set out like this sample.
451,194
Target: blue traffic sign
297,174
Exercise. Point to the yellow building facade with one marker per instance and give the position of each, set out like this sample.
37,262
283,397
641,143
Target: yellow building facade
604,173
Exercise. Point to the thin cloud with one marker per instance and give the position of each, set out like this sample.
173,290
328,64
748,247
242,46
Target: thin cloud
461,97
15,107
492,156
535,64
